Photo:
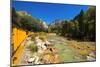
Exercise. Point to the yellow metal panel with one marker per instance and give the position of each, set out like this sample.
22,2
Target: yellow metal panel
17,39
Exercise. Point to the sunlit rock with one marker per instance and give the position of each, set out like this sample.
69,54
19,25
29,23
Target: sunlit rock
30,60
89,58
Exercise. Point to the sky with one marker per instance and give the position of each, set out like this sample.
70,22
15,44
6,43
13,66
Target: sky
49,12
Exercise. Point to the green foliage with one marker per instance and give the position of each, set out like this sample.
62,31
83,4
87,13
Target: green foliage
27,22
81,27
42,36
14,17
34,35
33,48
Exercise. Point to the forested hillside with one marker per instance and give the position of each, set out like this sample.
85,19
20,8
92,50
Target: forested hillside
21,19
82,26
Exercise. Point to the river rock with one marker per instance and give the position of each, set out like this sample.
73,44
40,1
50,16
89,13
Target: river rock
89,58
30,60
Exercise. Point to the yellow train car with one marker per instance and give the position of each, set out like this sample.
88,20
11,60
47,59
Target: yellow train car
18,37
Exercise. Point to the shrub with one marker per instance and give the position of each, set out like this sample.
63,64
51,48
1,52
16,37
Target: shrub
33,48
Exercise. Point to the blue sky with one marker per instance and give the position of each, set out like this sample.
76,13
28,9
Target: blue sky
49,12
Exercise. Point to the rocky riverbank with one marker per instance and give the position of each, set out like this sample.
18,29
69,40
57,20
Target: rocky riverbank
45,53
55,49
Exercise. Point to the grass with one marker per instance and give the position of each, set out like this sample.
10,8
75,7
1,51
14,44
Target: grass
34,35
65,54
82,48
33,48
42,36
